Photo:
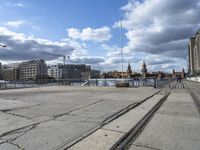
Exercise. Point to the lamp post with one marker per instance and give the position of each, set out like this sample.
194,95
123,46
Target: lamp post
121,45
4,46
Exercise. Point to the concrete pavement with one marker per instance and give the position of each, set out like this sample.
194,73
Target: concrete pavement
57,117
105,137
51,117
175,126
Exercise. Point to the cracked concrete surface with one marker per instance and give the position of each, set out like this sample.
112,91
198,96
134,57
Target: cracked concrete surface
175,126
47,118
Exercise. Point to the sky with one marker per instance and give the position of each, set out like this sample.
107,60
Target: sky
154,31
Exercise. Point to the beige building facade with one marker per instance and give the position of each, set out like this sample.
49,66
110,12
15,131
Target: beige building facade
194,54
32,69
10,72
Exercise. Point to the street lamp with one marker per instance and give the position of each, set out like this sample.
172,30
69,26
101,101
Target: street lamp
3,46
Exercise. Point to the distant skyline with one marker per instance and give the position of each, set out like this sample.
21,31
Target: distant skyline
154,31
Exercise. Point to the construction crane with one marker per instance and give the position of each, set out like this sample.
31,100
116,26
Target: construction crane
58,55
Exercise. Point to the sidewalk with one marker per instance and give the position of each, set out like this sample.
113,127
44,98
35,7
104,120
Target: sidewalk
176,125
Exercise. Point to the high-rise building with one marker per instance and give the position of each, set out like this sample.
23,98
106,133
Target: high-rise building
194,54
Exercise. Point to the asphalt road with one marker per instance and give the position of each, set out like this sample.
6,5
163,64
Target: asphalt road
50,117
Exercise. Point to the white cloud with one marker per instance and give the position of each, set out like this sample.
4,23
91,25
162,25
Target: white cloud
89,34
154,26
17,4
161,28
15,24
35,27
113,59
22,23
80,49
112,51
22,47
91,60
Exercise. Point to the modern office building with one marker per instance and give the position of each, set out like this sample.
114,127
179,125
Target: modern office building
194,54
32,70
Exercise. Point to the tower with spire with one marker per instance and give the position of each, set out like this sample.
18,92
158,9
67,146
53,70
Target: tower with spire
144,70
129,70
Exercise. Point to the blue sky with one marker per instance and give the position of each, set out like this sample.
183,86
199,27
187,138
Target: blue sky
53,18
151,31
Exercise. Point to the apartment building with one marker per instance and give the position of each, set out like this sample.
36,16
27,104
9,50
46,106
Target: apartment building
37,69
55,71
32,70
10,71
194,54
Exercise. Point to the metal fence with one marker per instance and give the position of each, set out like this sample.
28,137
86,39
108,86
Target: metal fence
105,82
